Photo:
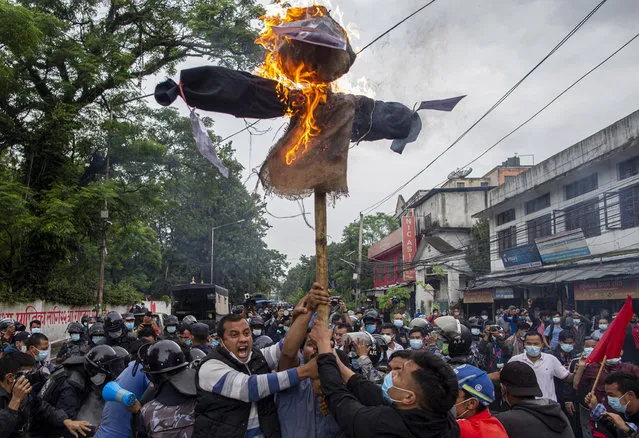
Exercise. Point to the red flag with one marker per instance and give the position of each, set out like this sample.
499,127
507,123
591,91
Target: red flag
611,342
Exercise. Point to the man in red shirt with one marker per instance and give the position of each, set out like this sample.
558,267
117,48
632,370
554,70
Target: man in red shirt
476,393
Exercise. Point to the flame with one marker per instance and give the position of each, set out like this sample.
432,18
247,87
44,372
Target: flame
300,89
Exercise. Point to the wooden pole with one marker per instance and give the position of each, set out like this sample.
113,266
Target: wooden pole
321,256
603,363
321,276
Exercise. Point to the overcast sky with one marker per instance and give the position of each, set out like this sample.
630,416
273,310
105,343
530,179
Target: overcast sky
478,48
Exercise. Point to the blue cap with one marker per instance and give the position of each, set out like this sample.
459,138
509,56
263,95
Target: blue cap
476,382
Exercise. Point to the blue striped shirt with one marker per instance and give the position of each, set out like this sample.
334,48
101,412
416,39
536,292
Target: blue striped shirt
218,377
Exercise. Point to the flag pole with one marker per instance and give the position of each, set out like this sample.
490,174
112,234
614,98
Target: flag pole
603,363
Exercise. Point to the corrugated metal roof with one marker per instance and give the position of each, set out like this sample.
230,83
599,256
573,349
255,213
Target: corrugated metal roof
580,273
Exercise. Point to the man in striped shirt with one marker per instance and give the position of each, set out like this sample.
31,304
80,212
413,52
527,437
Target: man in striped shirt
235,383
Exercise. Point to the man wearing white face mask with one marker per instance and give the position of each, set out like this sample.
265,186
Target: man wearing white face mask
388,332
546,366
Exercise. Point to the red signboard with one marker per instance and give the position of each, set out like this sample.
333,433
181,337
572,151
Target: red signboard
606,290
409,246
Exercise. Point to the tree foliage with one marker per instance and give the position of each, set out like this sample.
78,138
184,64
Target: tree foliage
478,252
342,259
66,69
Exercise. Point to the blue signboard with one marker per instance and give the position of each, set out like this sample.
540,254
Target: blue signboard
526,256
563,246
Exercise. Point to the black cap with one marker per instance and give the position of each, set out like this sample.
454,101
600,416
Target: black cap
21,337
200,330
520,380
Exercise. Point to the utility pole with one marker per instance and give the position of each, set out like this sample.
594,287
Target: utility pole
213,241
104,215
358,286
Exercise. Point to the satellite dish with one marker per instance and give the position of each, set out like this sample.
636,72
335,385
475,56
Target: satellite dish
460,173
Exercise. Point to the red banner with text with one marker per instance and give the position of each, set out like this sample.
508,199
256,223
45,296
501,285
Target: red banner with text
409,246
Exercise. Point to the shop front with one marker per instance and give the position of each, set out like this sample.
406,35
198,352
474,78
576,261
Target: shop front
592,296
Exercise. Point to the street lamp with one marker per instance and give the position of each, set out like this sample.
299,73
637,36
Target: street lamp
213,240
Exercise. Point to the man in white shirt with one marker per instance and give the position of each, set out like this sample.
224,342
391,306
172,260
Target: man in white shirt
546,366
388,332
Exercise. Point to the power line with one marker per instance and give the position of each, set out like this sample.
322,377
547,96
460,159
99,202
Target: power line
395,26
492,108
553,100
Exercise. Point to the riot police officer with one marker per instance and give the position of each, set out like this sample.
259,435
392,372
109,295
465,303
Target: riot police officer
171,329
97,335
116,333
200,333
260,340
77,345
80,396
459,339
372,322
172,410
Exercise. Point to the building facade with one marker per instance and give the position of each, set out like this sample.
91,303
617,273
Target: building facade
566,232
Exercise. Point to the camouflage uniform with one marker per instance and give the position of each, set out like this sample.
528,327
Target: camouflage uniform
161,421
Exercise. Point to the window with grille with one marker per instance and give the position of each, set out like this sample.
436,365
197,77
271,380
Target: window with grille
506,216
584,185
629,168
507,239
629,207
584,216
539,227
538,203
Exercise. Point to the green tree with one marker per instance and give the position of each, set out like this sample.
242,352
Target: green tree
478,251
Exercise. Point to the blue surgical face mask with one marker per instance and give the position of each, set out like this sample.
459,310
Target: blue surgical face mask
475,331
188,342
42,355
567,347
215,343
398,323
171,329
370,328
98,340
387,385
75,337
416,344
285,328
35,330
603,327
614,361
587,351
129,325
484,317
576,321
388,382
615,403
533,351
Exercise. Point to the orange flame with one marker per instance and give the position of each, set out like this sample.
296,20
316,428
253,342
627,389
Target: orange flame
301,80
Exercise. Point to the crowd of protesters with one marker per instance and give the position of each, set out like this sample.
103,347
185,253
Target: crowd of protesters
278,371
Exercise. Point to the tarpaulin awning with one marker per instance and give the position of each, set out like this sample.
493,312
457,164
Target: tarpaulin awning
574,273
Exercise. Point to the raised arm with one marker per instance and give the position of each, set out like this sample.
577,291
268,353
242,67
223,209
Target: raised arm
221,379
301,318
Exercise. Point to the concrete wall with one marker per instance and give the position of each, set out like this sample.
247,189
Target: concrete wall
599,154
56,317
453,209
598,146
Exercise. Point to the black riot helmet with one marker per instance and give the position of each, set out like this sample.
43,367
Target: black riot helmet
189,320
196,354
459,344
164,357
75,327
113,323
101,365
257,321
172,320
85,320
371,317
123,360
97,329
378,349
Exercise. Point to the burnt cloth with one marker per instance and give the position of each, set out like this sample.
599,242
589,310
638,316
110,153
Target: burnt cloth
321,166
